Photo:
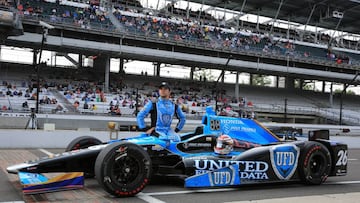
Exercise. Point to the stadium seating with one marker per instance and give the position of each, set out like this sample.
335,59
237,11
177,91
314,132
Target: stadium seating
186,93
81,15
187,31
225,39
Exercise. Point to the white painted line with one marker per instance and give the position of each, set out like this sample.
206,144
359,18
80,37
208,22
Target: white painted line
46,152
13,202
228,189
148,198
352,159
329,198
344,182
190,191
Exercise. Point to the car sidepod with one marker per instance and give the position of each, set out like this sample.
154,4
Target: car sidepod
307,161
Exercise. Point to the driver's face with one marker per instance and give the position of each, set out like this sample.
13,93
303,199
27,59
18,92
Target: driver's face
164,92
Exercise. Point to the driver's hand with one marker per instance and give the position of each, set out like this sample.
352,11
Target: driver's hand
150,130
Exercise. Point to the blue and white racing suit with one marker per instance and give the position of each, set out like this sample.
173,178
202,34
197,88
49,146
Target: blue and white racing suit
165,111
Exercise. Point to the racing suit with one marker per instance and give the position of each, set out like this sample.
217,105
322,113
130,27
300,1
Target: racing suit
162,117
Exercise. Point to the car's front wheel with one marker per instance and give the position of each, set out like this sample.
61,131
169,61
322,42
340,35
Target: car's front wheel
84,142
123,169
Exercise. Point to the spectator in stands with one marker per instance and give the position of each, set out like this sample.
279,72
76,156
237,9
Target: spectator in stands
59,108
86,105
25,105
162,111
252,116
33,96
93,107
117,111
9,93
4,3
76,104
27,94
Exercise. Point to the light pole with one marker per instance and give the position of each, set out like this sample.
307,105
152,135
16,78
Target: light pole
45,30
341,96
217,81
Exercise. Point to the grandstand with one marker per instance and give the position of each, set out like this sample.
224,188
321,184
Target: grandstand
171,35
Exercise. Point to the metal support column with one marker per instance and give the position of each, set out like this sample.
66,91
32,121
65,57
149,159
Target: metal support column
107,74
241,14
80,63
237,87
192,73
158,69
277,13
285,110
331,96
201,10
341,96
188,10
223,76
121,66
308,20
336,28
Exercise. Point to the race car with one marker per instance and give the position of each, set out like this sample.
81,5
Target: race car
221,152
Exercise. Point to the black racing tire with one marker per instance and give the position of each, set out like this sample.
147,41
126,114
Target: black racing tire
84,142
314,163
123,169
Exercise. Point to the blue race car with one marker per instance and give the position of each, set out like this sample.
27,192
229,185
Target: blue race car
221,152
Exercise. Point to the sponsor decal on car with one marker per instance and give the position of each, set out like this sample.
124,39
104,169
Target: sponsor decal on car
284,160
226,176
156,148
222,177
200,145
254,170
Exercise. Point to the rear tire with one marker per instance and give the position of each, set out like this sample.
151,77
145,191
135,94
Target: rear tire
123,169
84,142
314,163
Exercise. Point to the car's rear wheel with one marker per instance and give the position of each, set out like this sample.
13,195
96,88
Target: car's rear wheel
314,163
123,169
84,142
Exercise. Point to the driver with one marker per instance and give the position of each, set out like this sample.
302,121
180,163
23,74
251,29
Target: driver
162,112
224,145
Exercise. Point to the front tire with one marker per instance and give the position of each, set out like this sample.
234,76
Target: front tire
315,163
82,142
123,169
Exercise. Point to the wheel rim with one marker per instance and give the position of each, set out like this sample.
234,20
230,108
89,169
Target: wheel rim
125,169
316,165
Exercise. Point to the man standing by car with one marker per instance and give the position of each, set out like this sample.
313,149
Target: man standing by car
162,112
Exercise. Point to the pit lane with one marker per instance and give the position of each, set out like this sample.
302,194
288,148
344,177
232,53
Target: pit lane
162,190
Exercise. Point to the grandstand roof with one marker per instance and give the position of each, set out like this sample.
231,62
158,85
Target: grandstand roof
327,13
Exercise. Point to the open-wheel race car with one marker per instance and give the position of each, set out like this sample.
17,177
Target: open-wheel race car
221,152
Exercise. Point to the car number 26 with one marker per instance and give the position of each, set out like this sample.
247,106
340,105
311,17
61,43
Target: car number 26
342,158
